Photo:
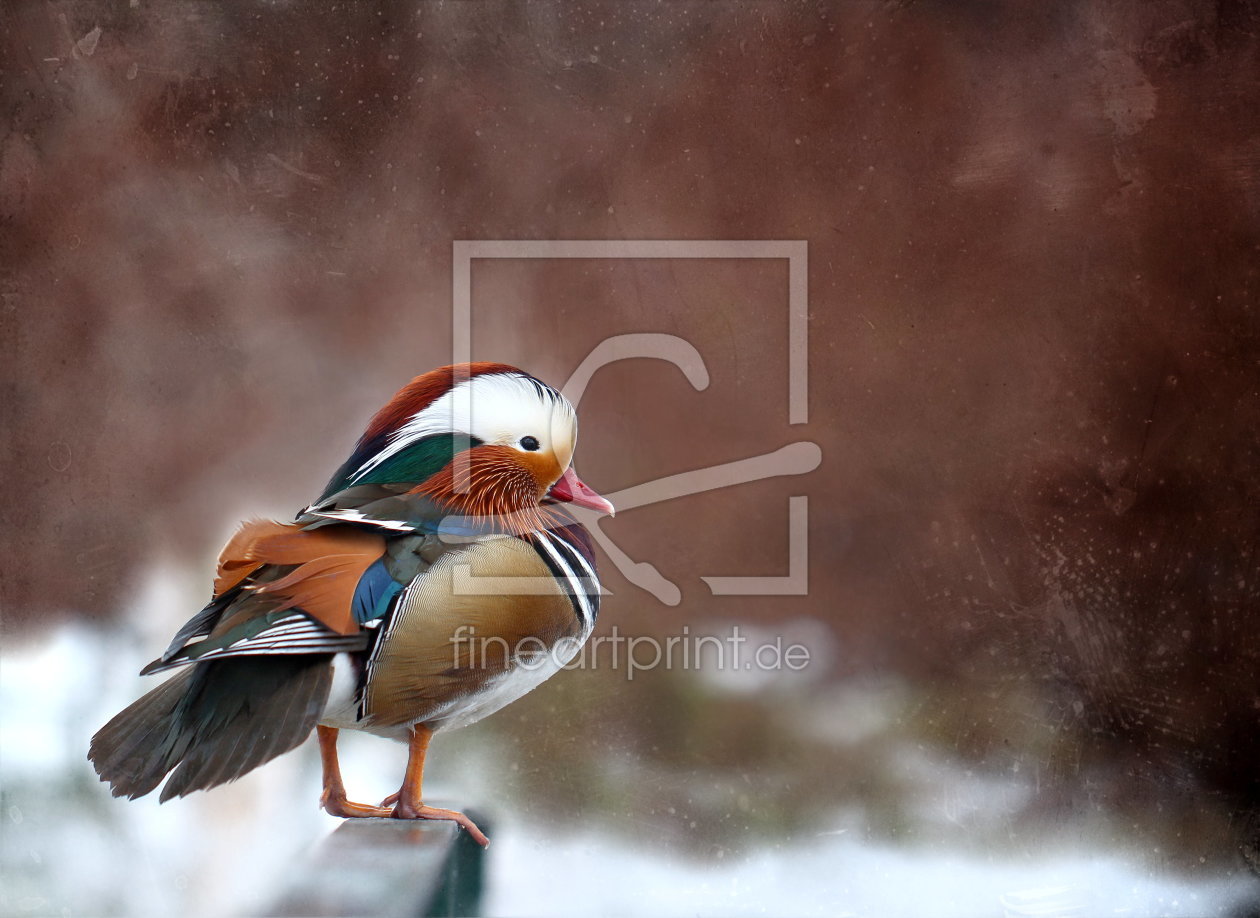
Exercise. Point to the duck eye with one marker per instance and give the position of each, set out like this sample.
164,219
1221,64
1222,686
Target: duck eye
529,443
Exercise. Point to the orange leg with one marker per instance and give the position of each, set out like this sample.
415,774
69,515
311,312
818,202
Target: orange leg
333,799
408,804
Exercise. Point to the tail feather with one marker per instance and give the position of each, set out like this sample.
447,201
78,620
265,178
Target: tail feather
135,750
212,724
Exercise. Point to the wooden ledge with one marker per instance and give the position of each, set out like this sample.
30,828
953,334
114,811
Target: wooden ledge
396,867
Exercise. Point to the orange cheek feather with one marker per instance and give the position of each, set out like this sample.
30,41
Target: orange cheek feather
544,468
496,481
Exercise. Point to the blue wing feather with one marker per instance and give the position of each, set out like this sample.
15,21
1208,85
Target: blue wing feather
376,590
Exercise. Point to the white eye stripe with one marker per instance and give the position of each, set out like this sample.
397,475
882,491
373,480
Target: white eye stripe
494,408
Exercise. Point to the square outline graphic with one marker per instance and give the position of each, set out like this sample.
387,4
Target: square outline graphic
794,250
464,251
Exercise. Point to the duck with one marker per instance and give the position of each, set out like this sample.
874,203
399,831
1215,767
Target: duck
441,575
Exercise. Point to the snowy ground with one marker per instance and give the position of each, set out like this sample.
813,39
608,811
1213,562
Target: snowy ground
71,849
835,877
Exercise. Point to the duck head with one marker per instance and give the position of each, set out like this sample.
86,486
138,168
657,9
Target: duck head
481,439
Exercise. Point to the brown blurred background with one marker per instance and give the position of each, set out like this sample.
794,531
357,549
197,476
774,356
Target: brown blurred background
1034,254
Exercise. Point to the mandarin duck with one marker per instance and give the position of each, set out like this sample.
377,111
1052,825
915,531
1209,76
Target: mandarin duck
439,577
